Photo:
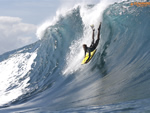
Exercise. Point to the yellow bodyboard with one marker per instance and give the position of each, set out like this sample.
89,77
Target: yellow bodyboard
84,61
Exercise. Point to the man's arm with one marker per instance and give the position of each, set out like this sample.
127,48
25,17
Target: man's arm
84,53
89,57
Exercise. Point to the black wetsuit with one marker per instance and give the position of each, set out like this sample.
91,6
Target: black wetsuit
91,48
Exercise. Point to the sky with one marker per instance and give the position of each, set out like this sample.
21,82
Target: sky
20,19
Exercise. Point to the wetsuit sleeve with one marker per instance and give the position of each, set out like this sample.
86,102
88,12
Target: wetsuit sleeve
84,53
89,57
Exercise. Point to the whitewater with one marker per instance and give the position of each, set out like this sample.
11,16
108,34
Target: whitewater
47,76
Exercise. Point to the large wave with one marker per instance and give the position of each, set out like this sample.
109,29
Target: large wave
48,75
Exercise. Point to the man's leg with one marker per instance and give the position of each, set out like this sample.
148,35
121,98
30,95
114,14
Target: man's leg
98,35
92,37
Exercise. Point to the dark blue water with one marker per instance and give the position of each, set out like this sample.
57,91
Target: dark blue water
48,76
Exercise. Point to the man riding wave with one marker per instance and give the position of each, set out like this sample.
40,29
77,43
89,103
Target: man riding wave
93,45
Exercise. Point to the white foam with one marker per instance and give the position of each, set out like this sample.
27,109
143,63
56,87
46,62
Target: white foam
61,12
11,71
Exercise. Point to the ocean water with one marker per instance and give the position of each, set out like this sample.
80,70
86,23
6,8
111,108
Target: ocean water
47,76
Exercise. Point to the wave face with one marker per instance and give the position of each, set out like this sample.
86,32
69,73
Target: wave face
47,76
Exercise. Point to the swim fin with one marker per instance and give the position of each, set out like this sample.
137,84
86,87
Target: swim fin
92,26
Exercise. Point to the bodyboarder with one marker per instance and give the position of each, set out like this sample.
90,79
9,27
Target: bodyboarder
93,45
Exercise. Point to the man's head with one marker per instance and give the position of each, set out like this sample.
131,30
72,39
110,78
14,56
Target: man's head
84,46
